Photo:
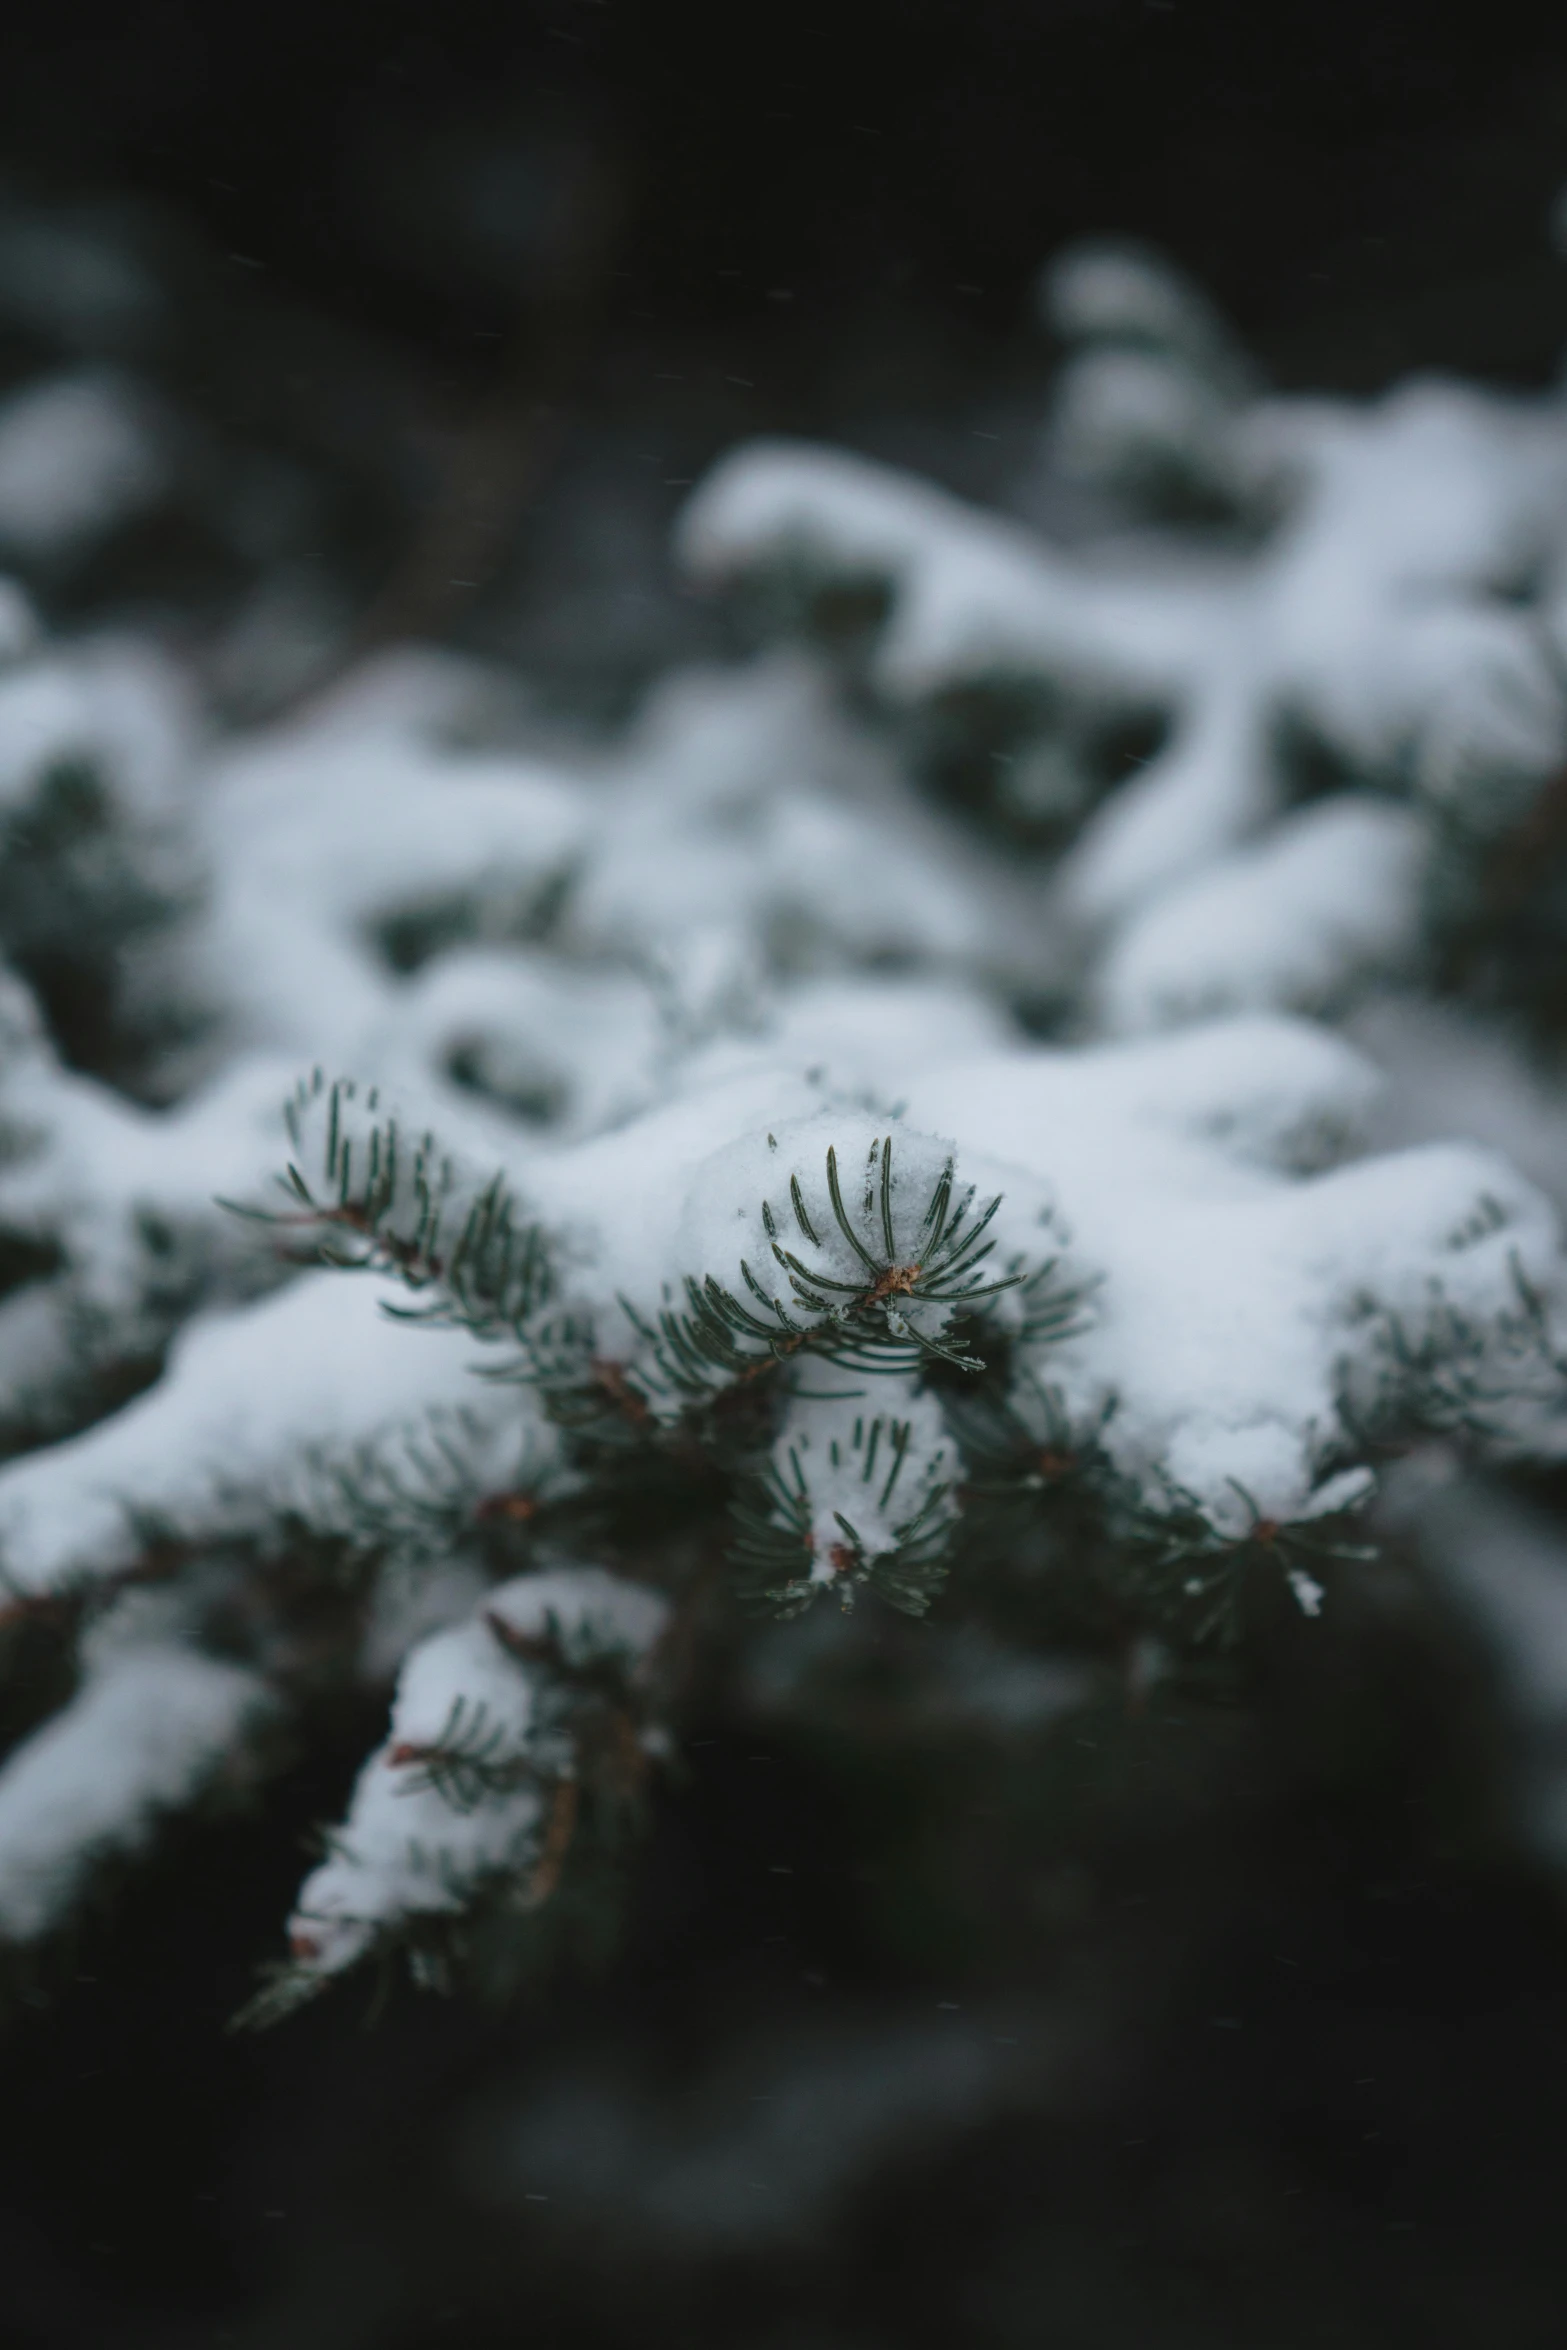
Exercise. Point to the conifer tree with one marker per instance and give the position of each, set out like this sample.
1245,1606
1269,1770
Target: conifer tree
894,1132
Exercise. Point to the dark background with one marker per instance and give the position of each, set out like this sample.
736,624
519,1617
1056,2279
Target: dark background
1361,181
496,282
1335,2108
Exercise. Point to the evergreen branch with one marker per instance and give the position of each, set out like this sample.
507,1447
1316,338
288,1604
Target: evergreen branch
865,1321
388,1208
418,1494
844,1226
1454,1375
783,1563
1193,1574
285,1986
469,1759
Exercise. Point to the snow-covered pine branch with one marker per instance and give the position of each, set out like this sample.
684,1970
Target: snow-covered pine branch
474,1206
1391,612
1229,1329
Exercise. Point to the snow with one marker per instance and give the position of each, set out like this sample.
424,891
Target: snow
859,1036
1238,1303
1320,906
583,1611
465,1668
78,454
779,1183
1146,401
318,839
153,1720
1117,292
411,1845
250,1399
404,1852
112,705
1376,615
710,1168
644,986
973,596
1239,1314
749,810
868,1473
572,1049
1126,417
1449,1072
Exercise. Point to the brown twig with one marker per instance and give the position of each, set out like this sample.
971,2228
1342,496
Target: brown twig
565,1803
